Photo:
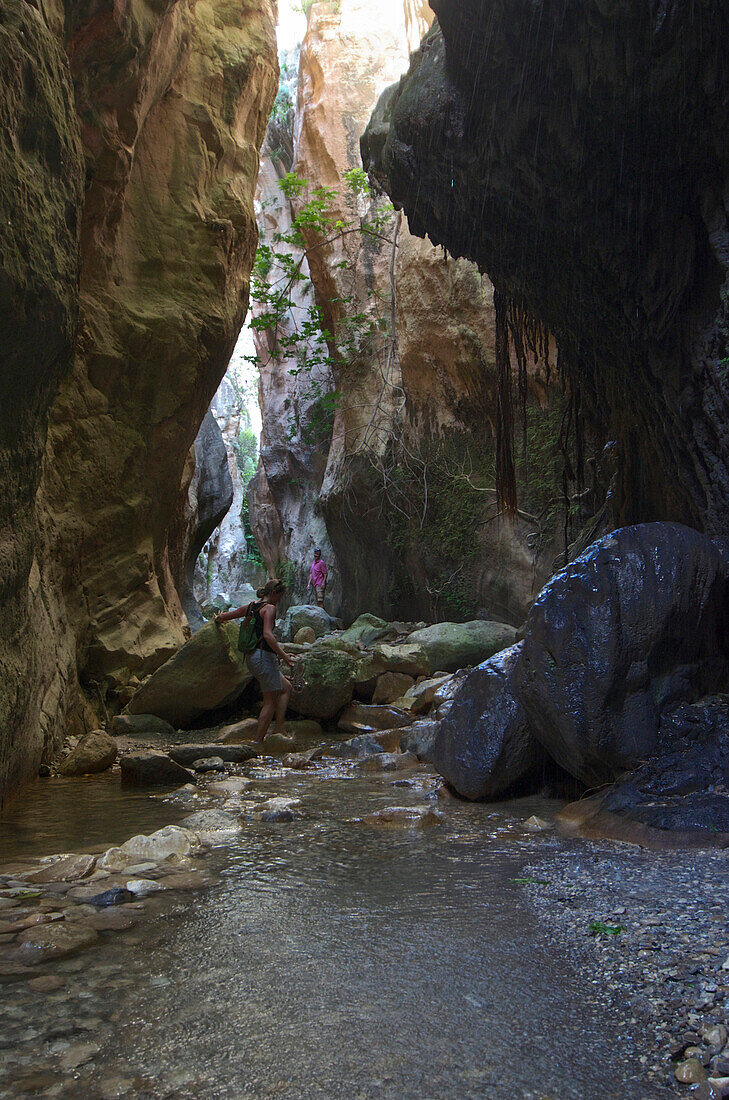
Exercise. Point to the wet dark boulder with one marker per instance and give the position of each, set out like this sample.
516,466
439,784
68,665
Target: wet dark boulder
484,745
148,769
187,755
686,787
679,797
635,626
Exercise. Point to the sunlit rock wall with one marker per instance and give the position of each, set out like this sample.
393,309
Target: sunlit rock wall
284,494
414,425
224,569
171,104
578,152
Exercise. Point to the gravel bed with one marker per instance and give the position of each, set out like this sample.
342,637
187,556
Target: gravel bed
653,929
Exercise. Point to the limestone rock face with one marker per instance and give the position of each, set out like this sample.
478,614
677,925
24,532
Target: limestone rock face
225,566
210,496
559,202
397,487
283,496
41,188
117,342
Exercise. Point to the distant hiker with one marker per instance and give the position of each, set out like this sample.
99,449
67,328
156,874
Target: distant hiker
318,577
265,651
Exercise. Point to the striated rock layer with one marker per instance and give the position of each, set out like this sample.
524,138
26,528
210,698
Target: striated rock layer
578,152
130,297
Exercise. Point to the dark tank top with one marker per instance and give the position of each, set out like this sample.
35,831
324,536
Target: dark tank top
258,626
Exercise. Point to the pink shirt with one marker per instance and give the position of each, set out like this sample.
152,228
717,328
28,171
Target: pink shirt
318,573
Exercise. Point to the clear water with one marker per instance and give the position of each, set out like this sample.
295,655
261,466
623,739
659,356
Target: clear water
79,815
334,959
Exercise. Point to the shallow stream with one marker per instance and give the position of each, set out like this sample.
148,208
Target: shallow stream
332,958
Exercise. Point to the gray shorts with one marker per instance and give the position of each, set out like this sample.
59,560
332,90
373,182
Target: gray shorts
264,666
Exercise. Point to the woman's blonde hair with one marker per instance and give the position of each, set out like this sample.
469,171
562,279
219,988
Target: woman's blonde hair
270,588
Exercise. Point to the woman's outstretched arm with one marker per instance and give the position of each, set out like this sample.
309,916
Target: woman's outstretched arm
236,613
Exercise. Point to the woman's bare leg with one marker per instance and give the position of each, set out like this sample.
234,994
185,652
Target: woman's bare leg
281,704
270,699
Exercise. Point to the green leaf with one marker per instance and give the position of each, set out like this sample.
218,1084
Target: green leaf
597,928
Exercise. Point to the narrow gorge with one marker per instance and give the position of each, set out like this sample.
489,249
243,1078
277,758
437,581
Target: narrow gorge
364,602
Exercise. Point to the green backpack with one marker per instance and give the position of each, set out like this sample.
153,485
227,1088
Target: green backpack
247,637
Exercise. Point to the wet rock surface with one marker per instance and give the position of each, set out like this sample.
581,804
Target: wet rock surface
636,625
484,744
147,768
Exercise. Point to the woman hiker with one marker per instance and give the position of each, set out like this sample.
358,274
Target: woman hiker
263,661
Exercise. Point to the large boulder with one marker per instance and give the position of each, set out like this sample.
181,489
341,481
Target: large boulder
637,624
229,754
368,629
142,727
94,753
408,658
323,682
149,769
306,615
451,646
390,686
484,745
207,673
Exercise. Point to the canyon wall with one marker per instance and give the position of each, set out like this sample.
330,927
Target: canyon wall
130,157
226,569
394,474
578,152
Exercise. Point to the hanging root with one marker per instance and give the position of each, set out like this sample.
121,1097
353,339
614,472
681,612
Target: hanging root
506,494
515,329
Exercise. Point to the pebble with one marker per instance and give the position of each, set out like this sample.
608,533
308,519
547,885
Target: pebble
209,764
78,1054
141,887
46,983
112,920
690,1072
715,1037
